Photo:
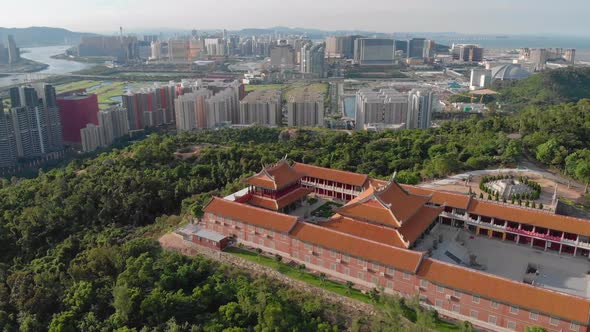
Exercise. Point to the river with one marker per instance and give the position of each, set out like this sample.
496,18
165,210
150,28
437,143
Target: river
43,55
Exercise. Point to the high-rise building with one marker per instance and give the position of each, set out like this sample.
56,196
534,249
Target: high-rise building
312,60
385,107
178,50
401,48
36,120
340,47
570,56
420,109
480,78
8,153
282,56
305,109
262,107
374,51
467,52
416,48
13,51
208,105
93,137
191,109
76,111
123,48
114,123
3,54
539,57
215,46
150,107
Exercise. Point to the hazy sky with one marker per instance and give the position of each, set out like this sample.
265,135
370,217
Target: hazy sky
468,16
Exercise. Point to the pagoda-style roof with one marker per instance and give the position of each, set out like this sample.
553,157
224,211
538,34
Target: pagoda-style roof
275,177
388,205
279,203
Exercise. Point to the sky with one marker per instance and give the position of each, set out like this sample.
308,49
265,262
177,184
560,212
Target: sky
567,17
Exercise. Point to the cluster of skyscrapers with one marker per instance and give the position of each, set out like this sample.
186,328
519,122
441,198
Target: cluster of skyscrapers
386,108
112,124
150,107
263,107
379,51
207,105
540,56
10,53
31,128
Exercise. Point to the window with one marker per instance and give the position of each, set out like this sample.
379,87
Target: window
307,246
511,325
333,266
495,304
283,236
423,283
533,316
361,275
389,284
345,258
375,267
440,289
375,280
574,326
553,321
332,253
457,294
438,303
456,308
492,319
473,314
362,262
476,299
296,254
406,276
346,271
307,259
390,271
513,310
319,250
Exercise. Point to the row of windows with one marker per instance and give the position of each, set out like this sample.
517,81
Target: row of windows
391,271
509,324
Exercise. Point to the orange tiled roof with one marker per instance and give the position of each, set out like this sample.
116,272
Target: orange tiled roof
370,210
277,204
388,205
251,215
403,204
508,291
398,258
275,177
365,230
425,217
350,178
455,200
531,217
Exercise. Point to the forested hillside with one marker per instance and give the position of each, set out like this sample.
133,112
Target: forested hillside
77,248
551,87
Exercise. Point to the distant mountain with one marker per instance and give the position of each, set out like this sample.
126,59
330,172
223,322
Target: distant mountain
41,36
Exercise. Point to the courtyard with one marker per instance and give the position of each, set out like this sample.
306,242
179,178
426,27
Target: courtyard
506,259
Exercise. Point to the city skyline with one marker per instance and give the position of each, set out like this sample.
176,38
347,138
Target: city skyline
461,16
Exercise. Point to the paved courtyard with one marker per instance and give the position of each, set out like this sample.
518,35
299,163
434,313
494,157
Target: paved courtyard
546,269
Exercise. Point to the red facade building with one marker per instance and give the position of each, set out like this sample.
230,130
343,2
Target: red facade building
372,239
76,111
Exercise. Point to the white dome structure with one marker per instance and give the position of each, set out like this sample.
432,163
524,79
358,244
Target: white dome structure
509,72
